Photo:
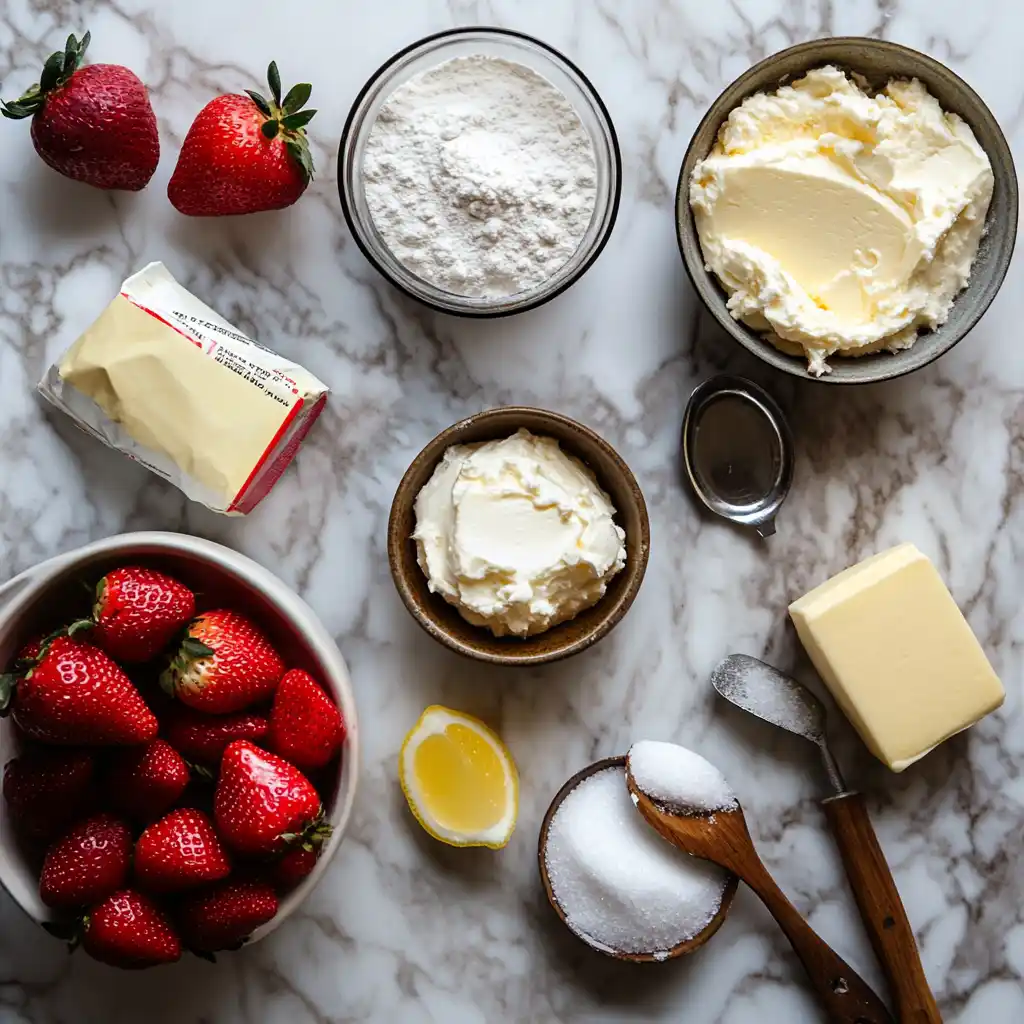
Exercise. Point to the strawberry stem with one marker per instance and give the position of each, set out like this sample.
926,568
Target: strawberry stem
274,80
200,772
316,833
7,683
297,98
193,649
261,103
286,119
24,667
59,67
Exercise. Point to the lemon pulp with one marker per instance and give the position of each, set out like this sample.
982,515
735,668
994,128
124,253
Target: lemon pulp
459,779
462,778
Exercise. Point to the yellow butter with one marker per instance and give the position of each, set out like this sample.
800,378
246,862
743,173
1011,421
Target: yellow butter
165,379
897,654
171,397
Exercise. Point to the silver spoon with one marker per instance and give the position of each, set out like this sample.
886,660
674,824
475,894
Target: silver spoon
769,694
738,451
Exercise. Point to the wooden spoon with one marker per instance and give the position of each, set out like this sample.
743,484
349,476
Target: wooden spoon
723,838
774,697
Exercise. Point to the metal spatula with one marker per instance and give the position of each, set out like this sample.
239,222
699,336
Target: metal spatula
769,694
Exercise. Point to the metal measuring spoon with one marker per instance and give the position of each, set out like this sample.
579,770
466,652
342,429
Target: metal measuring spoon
771,695
738,451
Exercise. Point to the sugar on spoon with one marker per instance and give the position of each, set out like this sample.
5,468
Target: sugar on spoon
721,836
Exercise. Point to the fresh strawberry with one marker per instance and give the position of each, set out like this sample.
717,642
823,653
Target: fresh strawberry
244,154
295,866
306,726
202,738
76,694
145,782
29,654
89,864
138,611
224,916
178,852
224,664
47,789
94,124
263,803
128,930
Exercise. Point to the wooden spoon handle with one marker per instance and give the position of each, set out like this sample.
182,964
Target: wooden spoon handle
845,995
881,908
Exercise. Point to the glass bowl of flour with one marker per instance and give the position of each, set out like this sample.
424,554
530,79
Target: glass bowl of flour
479,172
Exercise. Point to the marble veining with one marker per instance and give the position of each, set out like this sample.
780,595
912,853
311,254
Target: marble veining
403,930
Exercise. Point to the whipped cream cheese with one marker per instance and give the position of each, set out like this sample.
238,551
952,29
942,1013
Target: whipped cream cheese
516,534
839,221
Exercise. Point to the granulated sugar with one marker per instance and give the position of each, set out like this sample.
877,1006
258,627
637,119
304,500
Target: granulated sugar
620,885
679,778
767,693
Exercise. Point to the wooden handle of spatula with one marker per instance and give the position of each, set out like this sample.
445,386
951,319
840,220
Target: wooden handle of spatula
881,909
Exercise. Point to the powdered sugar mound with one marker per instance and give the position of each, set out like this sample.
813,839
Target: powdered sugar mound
620,885
480,176
679,778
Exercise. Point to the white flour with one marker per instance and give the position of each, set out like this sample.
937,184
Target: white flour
480,177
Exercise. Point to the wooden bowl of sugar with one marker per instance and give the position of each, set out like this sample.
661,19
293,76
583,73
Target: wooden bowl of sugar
615,883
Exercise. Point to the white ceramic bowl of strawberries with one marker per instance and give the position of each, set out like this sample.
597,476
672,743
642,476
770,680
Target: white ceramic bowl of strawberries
231,793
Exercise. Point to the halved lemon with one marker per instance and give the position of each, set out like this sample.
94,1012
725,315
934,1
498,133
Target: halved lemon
460,779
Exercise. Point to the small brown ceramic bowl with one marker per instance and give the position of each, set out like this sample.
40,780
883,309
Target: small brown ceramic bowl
876,61
641,958
441,620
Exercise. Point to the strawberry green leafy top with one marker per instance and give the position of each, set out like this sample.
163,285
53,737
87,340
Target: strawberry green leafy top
286,117
59,67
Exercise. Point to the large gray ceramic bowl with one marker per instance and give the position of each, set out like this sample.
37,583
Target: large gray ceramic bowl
877,61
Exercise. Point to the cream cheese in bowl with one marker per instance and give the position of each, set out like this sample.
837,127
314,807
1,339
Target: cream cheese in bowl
516,534
841,221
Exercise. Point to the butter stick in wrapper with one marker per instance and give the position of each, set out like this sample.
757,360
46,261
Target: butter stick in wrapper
163,378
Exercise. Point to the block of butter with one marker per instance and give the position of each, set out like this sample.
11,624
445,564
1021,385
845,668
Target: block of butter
163,378
897,654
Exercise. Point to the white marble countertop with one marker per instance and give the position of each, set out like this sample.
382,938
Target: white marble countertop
403,929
